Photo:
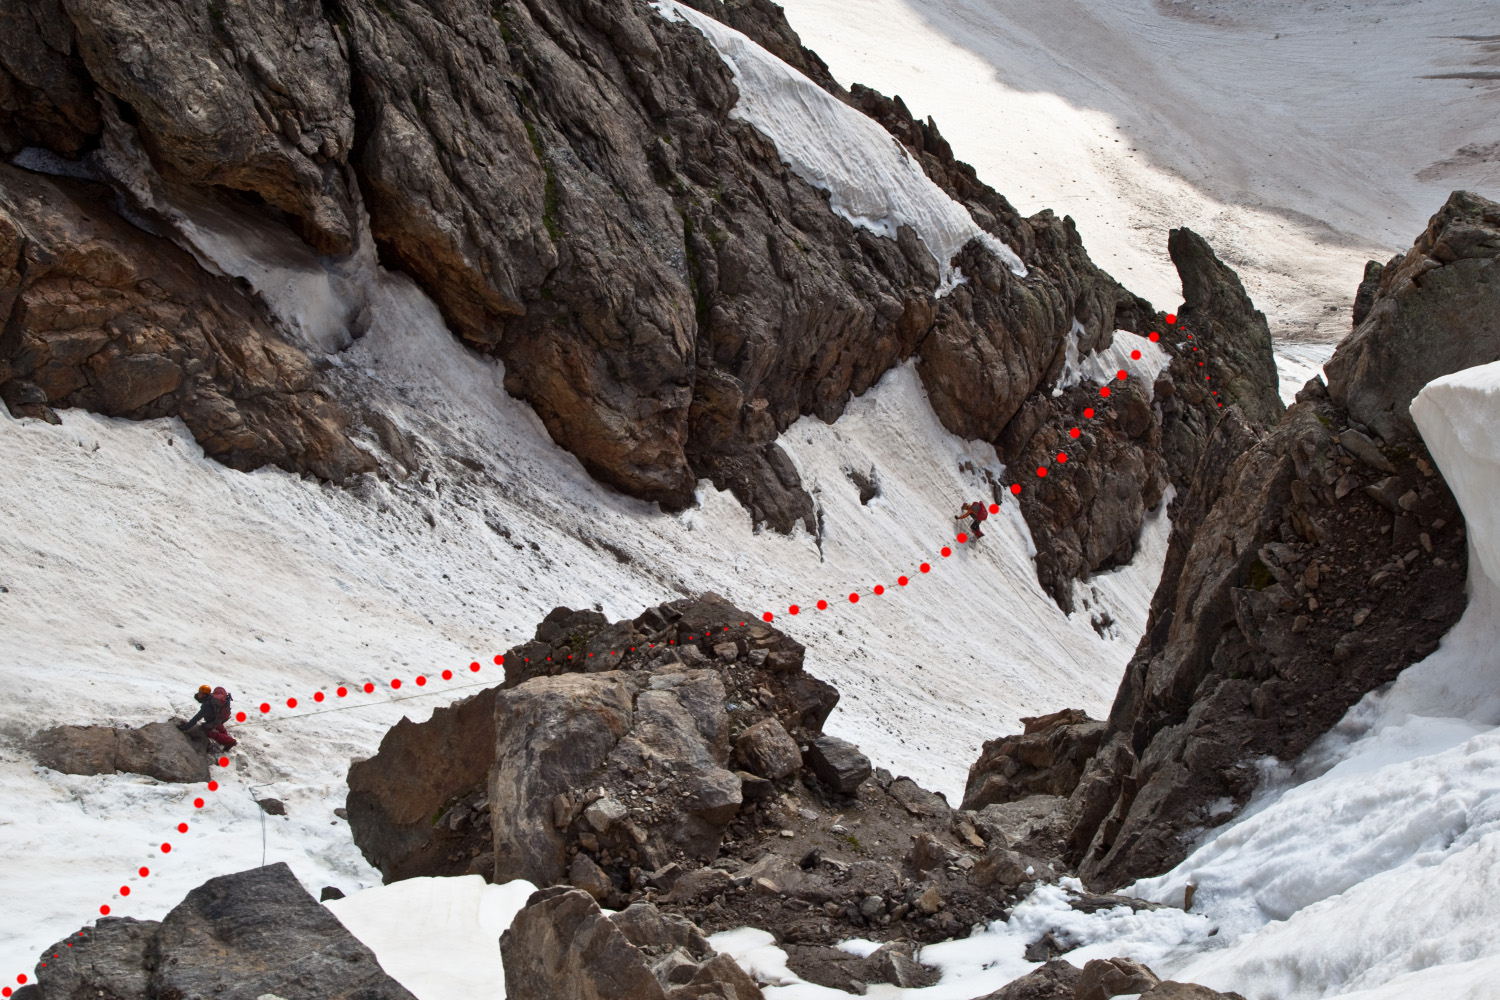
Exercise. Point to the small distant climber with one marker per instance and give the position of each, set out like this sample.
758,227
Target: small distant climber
977,511
214,709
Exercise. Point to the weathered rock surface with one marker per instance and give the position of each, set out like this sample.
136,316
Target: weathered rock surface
561,947
419,807
1048,758
158,749
238,936
1055,980
1103,978
838,763
1434,309
566,180
1086,514
1307,566
103,315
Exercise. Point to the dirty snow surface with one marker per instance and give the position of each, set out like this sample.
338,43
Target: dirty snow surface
135,569
1249,121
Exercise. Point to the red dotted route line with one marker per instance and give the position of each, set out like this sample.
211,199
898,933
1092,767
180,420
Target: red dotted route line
421,680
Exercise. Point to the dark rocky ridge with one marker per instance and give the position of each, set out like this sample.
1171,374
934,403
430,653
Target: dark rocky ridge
1309,563
564,179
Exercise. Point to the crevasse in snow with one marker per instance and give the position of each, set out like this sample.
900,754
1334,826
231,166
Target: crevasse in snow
870,178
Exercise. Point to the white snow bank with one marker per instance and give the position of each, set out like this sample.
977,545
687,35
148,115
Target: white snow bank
438,937
1139,356
870,178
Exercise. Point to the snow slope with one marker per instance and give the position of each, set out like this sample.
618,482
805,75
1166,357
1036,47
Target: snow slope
135,570
1300,139
870,178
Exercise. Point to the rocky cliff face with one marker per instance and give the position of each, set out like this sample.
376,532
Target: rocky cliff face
566,180
1312,558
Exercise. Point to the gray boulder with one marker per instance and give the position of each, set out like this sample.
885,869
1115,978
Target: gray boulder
1110,977
236,937
838,763
766,749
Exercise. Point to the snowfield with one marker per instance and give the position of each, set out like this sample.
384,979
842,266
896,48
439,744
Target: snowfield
136,569
1253,122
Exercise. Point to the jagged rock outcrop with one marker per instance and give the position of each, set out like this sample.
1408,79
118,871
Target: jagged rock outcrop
1047,758
102,315
566,180
239,937
159,750
1434,309
1085,515
1307,566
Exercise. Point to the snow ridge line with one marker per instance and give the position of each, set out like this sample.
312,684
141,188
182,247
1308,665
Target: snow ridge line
421,680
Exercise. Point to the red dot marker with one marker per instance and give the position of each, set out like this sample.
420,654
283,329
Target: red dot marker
1088,412
500,661
994,508
766,616
166,848
1154,337
291,703
318,696
879,590
793,610
1042,472
422,681
924,567
124,890
264,707
1104,391
822,605
182,828
396,681
1061,457
447,675
1171,317
853,598
369,687
1015,488
223,761
213,786
144,872
239,716
104,910
962,537
1074,433
1135,355
946,552
6,991
197,803
342,692
1122,374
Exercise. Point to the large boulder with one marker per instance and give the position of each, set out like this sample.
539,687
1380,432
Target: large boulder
1046,759
562,947
419,806
237,937
158,749
1054,980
